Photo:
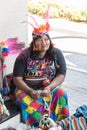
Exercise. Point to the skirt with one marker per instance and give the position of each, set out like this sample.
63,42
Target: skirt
33,110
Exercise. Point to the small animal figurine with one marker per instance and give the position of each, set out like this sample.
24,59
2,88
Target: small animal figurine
46,122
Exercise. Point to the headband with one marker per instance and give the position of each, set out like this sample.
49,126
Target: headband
39,29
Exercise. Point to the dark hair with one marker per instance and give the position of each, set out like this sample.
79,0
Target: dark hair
35,54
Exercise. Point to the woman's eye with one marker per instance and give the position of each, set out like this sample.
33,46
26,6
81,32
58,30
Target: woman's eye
46,39
39,40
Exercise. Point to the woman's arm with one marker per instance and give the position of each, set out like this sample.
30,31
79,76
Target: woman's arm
56,81
24,87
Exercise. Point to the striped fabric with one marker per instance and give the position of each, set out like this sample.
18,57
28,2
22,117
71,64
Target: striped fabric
73,123
32,111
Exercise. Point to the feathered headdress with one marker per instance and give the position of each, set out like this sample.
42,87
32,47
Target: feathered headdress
40,28
10,46
15,45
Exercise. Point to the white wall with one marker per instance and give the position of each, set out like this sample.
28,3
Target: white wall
12,13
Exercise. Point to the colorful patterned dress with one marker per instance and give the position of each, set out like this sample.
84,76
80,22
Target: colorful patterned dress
36,72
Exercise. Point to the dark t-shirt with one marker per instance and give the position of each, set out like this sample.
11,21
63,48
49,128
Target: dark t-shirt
39,69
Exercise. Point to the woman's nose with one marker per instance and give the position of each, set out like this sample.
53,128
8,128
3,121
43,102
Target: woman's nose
43,41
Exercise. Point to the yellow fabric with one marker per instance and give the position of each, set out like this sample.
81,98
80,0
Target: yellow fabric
57,110
30,109
27,99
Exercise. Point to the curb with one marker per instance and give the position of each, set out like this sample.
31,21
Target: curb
77,70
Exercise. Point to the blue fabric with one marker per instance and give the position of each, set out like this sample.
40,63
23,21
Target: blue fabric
81,111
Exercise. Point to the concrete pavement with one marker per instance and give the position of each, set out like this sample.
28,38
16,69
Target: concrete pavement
69,27
76,86
69,36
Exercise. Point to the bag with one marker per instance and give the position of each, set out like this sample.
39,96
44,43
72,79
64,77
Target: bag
9,86
10,82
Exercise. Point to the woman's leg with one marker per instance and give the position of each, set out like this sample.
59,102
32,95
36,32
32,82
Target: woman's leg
31,110
59,105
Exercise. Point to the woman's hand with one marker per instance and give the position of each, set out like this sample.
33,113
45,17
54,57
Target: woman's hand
35,94
45,92
40,93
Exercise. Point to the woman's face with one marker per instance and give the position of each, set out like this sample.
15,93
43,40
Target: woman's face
42,44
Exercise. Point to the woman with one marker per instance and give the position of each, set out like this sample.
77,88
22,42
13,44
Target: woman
38,74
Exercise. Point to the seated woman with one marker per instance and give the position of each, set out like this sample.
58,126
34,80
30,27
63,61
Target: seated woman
38,73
